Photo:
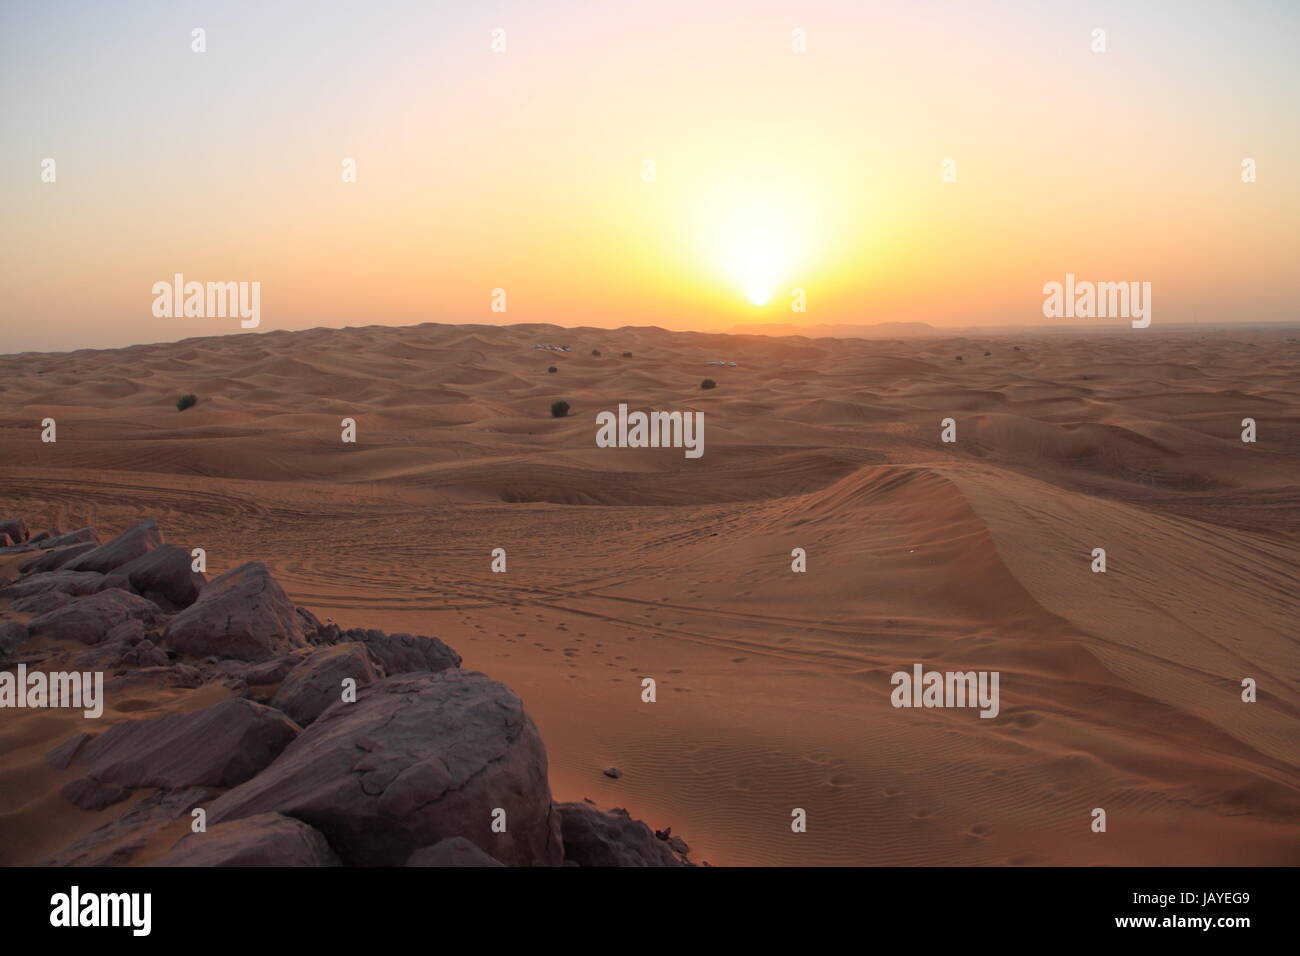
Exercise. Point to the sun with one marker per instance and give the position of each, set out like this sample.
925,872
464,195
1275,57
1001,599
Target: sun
756,235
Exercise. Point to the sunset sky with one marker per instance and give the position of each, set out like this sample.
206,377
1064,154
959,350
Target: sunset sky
523,170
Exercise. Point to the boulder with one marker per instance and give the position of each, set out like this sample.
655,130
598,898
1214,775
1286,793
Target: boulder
68,538
164,575
220,746
415,760
90,619
40,603
69,582
272,671
53,560
453,851
594,837
16,528
13,635
268,839
127,546
91,794
242,615
60,758
318,681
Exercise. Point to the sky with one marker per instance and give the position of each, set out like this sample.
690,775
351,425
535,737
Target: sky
641,163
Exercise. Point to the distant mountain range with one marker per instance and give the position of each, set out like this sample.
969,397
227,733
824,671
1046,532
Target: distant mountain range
877,330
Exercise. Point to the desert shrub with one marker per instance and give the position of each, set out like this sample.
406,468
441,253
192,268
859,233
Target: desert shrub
552,369
958,358
596,352
559,409
185,401
627,355
708,383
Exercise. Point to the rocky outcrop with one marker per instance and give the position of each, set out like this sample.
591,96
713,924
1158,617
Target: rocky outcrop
220,746
64,581
396,653
53,560
90,619
126,547
267,839
164,575
594,837
317,682
415,760
429,765
242,615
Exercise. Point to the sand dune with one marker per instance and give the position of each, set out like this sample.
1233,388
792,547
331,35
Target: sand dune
1119,690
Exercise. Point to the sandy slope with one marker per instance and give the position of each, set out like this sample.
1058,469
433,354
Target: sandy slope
1119,690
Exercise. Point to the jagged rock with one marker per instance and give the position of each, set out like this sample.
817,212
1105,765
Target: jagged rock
244,615
164,575
118,841
75,583
595,837
13,634
612,772
415,760
91,794
220,746
53,560
16,528
127,546
268,839
89,619
317,682
453,851
61,756
80,536
38,604
403,653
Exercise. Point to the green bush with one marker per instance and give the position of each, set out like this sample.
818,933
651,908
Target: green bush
184,402
708,383
559,409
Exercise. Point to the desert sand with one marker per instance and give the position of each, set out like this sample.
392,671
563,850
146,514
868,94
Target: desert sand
1119,690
